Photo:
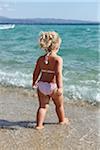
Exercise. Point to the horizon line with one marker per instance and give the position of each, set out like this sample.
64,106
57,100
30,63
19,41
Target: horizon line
50,18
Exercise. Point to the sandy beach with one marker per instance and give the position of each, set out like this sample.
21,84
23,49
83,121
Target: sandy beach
17,121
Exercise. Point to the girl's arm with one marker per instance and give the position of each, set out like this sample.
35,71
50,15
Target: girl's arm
59,79
36,72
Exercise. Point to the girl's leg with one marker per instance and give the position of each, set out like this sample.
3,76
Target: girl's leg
43,105
58,101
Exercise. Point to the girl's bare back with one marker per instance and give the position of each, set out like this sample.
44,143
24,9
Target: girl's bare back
51,66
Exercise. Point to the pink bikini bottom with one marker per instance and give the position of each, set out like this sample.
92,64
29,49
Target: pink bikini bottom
46,88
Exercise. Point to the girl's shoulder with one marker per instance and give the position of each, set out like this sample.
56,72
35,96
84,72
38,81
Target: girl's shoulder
40,58
58,58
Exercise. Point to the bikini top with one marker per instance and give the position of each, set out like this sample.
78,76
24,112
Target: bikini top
46,62
48,71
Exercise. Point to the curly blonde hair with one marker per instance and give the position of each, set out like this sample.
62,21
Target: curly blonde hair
49,40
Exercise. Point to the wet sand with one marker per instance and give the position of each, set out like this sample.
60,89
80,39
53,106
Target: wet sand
17,122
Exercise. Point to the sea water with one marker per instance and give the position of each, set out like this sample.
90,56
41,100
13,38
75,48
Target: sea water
19,51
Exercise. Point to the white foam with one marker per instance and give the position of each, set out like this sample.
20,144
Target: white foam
81,92
71,91
98,97
88,82
15,79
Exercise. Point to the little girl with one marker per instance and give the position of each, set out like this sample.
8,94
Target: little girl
47,76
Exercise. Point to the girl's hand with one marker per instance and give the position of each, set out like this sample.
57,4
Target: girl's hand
59,91
33,86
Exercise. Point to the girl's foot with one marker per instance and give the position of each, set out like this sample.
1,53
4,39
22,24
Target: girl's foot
39,127
66,121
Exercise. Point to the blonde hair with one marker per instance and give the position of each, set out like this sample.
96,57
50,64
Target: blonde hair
49,41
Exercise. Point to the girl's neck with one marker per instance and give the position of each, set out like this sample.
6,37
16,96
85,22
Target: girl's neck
53,53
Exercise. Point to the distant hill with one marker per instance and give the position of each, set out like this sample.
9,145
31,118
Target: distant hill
4,20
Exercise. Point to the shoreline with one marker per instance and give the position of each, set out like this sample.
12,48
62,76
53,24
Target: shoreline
17,122
29,92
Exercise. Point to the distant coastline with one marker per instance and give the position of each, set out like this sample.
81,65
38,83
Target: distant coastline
45,21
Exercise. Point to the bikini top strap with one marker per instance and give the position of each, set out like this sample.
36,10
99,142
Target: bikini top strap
46,58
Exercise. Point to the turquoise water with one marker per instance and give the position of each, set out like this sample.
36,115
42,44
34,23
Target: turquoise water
80,51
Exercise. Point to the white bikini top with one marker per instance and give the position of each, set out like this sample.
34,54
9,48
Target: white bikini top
48,71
